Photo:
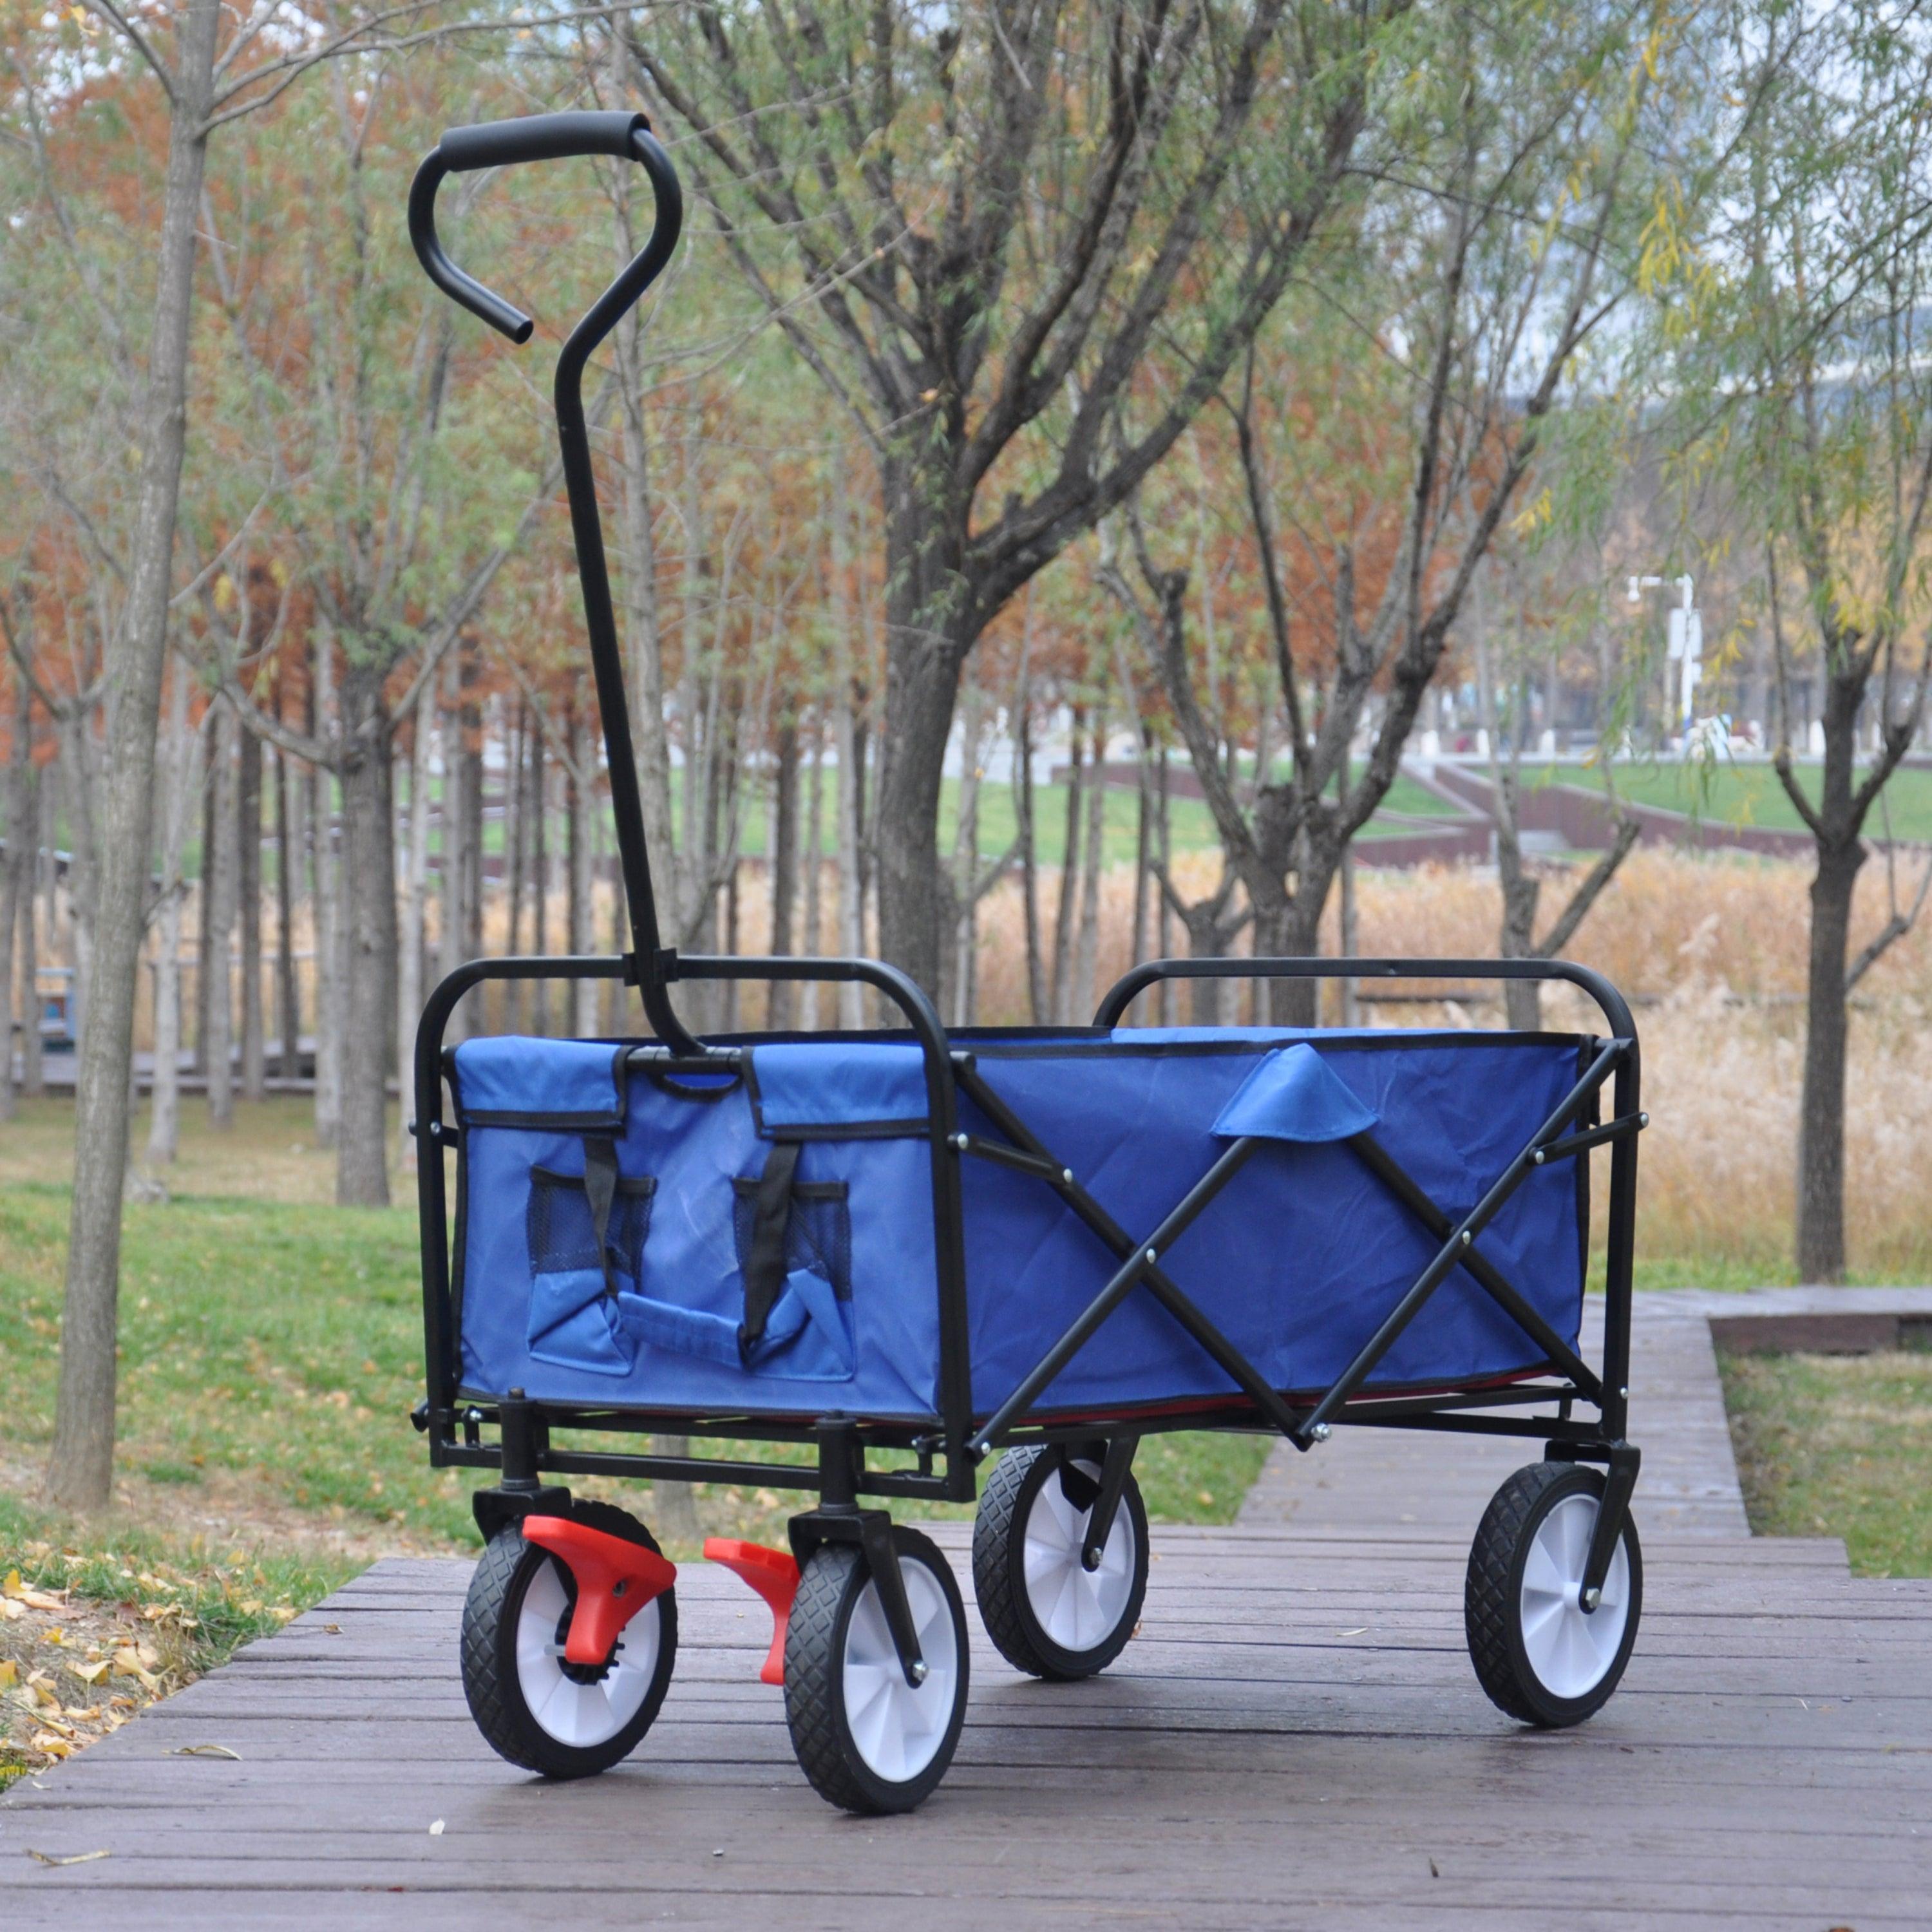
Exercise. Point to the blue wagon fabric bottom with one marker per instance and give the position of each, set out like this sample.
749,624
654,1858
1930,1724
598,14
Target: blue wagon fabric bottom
1297,1261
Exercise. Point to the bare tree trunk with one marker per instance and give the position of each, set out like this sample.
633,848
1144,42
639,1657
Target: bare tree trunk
513,864
1143,849
415,871
369,869
849,909
966,860
80,1473
1821,1129
814,946
219,870
76,775
33,1068
331,958
1352,1014
470,945
539,815
204,911
1086,947
248,876
781,850
164,1106
582,851
455,829
16,880
180,785
288,985
1038,1009
1070,876
1164,843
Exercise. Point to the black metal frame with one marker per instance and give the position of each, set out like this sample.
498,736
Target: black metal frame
952,1436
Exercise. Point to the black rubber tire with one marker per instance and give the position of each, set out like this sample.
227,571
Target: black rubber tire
1492,1596
490,1681
999,1571
833,1579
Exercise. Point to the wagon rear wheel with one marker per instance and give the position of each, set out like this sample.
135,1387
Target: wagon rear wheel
869,1741
1048,1614
533,1705
1542,1658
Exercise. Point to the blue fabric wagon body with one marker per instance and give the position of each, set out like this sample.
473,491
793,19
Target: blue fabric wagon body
1297,1261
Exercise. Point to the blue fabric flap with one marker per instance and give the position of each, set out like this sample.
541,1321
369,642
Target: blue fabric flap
1293,1096
810,1090
511,1080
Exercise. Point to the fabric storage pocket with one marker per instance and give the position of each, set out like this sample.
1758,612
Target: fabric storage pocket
586,1235
794,1243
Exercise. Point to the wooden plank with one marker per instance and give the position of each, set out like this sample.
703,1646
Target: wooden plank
1295,1737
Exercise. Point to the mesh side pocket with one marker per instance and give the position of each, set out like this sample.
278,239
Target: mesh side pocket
562,1236
818,1229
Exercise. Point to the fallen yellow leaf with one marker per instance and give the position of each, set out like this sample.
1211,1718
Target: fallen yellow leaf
53,1636
10,1610
127,1663
92,1673
204,1751
72,1859
34,1600
53,1746
90,1715
10,1673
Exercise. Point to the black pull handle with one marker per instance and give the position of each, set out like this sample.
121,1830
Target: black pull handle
545,137
539,137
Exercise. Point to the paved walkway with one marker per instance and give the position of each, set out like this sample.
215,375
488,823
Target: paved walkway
1293,1740
1385,1482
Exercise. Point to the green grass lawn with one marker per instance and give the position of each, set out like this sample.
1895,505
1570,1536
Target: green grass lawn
1191,825
1838,1445
1743,794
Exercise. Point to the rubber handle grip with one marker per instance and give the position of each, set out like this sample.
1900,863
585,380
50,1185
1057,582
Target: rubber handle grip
539,137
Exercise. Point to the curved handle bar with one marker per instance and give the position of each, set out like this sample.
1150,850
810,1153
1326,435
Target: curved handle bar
540,137
537,137
543,137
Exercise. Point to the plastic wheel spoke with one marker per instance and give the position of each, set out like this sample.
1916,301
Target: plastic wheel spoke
1569,1649
1536,1621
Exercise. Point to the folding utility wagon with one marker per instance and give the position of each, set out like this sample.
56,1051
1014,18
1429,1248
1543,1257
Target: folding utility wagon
1044,1243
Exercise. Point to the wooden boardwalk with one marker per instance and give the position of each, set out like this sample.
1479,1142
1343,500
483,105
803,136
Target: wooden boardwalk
1295,1739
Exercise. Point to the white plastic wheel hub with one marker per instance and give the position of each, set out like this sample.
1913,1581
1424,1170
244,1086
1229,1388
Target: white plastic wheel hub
1076,1608
898,1729
565,1707
1571,1649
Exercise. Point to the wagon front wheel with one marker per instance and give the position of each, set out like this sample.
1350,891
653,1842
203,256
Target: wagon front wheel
532,1705
869,1740
1541,1656
1048,1614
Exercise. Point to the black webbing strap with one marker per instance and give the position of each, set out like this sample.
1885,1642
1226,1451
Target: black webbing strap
600,1189
765,1258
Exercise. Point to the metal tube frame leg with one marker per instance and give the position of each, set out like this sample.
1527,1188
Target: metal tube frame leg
1115,1465
839,1519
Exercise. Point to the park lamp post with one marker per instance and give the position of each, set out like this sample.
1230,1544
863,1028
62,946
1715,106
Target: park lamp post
1685,645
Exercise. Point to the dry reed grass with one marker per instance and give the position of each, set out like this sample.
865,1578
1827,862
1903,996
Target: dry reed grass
1713,951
